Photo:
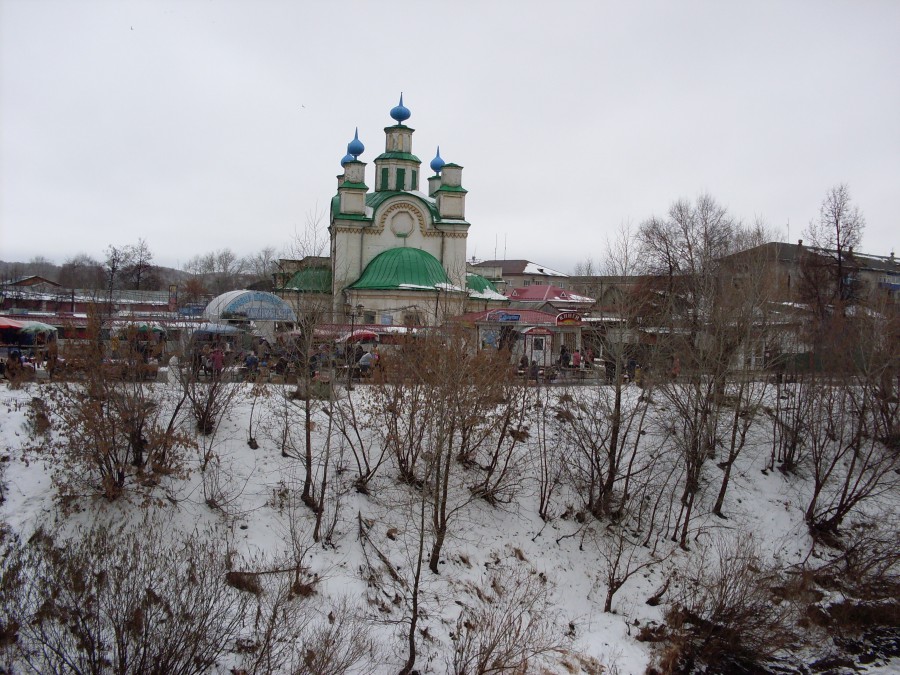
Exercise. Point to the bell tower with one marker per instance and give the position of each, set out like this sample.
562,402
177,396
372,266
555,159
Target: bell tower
397,169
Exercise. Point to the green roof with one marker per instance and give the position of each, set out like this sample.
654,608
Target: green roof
336,210
310,280
402,268
394,154
478,283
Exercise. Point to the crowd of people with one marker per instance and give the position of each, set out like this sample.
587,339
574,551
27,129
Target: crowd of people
24,362
213,357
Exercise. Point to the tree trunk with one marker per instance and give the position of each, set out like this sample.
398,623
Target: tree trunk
414,619
307,497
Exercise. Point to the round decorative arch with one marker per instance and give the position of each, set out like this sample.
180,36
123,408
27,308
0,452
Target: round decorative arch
401,218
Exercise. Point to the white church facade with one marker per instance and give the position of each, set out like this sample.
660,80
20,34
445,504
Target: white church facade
397,252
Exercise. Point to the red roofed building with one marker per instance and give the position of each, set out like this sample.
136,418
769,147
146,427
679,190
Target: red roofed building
558,297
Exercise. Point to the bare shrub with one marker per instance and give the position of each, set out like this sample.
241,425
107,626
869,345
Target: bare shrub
210,400
507,626
291,635
722,613
113,435
847,464
117,602
621,558
337,645
452,413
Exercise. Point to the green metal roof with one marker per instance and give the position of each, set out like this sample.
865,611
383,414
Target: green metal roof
310,280
451,188
394,154
478,283
402,268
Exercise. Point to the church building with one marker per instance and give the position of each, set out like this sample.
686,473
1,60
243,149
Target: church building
397,252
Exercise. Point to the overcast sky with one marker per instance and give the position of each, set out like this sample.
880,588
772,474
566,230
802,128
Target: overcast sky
205,124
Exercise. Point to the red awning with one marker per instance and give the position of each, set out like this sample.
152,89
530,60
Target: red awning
10,323
360,335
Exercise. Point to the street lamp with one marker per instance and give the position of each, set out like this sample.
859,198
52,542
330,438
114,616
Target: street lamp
347,353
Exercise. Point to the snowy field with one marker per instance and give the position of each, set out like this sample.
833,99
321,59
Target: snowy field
248,501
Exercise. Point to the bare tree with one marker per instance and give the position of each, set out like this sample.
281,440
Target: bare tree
602,424
547,449
139,273
695,312
836,232
355,423
262,265
745,296
450,405
220,270
117,259
82,271
315,375
43,267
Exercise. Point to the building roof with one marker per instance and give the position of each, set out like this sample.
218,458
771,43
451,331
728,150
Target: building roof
310,280
404,268
509,267
32,280
482,288
547,293
521,317
790,253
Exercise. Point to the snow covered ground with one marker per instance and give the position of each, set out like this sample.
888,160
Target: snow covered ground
248,498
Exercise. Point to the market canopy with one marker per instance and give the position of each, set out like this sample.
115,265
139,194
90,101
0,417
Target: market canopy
248,306
10,323
360,335
139,327
37,327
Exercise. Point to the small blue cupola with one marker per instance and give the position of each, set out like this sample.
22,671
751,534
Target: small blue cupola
355,147
400,113
437,163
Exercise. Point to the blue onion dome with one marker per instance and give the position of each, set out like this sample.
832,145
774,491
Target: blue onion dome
347,158
355,147
437,163
400,112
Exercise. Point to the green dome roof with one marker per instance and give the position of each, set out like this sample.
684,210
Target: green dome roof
403,268
476,282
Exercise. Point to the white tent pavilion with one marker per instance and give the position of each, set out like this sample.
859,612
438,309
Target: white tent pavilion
257,307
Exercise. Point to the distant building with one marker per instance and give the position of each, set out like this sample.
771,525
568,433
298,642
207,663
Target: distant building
506,274
867,275
37,295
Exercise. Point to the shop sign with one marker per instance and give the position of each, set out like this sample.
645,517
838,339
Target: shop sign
503,316
568,319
